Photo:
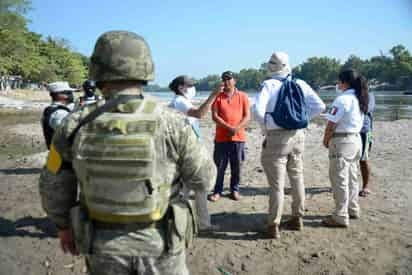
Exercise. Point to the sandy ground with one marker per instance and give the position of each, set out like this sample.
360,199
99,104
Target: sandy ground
378,243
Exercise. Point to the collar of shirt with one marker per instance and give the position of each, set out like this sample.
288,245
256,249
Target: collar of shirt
280,77
230,96
127,91
348,91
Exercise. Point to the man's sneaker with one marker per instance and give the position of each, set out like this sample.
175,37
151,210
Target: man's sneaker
235,195
331,222
295,223
354,216
273,231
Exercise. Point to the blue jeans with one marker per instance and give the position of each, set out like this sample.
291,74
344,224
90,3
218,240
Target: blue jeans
233,152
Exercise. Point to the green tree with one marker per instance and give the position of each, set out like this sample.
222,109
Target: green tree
319,71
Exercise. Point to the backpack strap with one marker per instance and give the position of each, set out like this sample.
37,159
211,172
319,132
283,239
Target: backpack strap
107,107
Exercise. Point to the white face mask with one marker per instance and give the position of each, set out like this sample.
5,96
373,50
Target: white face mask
190,93
337,89
70,106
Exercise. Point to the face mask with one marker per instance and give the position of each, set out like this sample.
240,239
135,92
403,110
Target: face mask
70,106
337,89
89,93
190,93
70,97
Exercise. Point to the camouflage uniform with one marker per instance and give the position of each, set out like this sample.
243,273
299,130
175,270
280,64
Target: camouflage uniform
130,248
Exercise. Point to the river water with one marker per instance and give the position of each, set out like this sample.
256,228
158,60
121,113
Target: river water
390,105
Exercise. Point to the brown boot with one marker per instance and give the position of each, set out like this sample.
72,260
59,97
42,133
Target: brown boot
295,223
273,231
331,222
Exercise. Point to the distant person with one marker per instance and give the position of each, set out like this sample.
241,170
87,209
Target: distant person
185,91
62,104
231,113
282,152
343,140
366,136
89,97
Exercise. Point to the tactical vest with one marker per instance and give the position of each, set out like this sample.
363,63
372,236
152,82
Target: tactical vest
118,160
48,131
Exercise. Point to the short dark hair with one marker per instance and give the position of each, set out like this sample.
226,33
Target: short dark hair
180,80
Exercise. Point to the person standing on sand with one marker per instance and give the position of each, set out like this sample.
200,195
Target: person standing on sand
230,112
89,97
185,91
342,138
366,136
282,151
62,104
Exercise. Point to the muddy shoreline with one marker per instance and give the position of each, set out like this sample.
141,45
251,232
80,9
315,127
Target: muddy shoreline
378,243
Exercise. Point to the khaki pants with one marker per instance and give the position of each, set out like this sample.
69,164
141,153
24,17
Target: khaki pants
283,154
344,155
127,265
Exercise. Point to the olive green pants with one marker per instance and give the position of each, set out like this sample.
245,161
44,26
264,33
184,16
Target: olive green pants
344,156
282,154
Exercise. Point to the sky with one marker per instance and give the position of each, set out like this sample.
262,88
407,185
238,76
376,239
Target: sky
199,38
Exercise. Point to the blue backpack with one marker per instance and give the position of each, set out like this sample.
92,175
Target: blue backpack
290,110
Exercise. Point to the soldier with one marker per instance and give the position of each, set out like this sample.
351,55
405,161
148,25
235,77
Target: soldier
89,88
129,156
62,99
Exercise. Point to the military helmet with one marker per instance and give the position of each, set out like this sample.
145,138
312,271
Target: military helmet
121,55
89,85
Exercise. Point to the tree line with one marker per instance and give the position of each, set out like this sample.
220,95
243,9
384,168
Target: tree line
385,71
29,55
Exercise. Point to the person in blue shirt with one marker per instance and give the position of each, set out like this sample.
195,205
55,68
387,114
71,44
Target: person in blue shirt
366,136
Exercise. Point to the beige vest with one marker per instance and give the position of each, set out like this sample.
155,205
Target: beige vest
118,161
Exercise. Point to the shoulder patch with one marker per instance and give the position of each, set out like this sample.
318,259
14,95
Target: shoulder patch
333,111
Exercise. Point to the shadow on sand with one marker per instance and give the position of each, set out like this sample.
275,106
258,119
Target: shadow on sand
262,191
20,171
27,227
249,226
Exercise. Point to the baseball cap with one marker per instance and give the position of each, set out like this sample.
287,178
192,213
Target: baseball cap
59,87
227,75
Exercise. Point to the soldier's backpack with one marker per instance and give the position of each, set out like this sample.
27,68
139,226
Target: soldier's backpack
119,164
290,111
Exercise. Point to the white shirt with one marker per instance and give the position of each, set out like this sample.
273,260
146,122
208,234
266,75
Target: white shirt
345,112
183,105
266,100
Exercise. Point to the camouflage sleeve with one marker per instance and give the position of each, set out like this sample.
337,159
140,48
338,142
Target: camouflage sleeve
58,194
195,164
58,188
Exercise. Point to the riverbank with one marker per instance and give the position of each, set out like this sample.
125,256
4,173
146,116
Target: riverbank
380,242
